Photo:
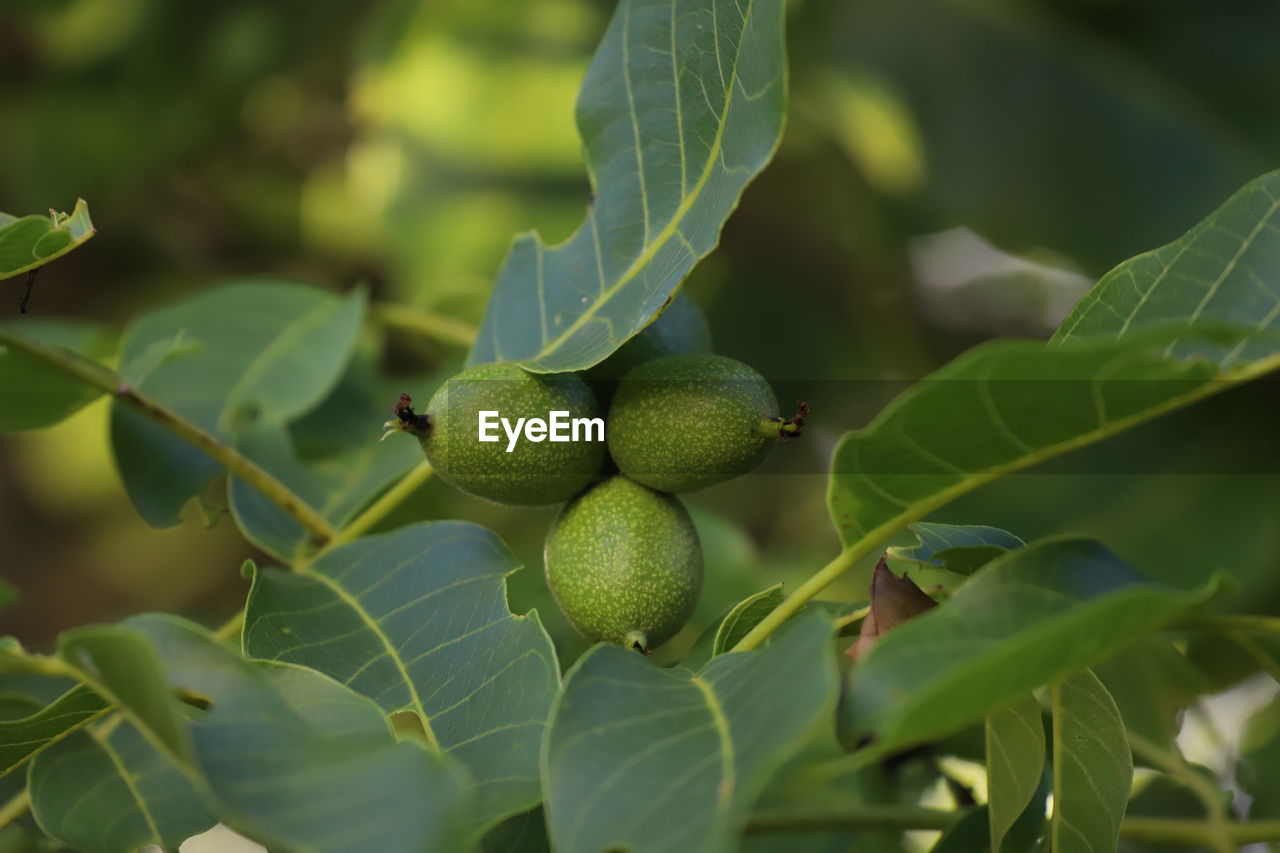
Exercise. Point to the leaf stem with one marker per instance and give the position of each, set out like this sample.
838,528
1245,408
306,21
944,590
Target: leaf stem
410,319
1231,623
1216,832
852,618
383,506
360,525
15,808
97,376
860,816
864,816
231,627
1268,663
1185,831
807,590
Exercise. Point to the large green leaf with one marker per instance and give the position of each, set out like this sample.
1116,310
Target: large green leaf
337,486
1092,767
962,549
417,620
26,736
1015,759
299,762
1007,405
1027,619
254,351
1224,271
649,759
1004,406
112,790
681,107
37,394
27,242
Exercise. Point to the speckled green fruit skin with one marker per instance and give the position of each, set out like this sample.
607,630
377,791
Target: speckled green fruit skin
680,328
533,474
687,422
624,564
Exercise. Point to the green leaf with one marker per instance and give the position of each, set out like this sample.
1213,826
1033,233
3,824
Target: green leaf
1224,271
25,737
523,833
249,352
417,619
299,762
681,107
37,394
1151,683
116,667
28,242
967,834
121,665
962,549
1092,767
1007,405
1015,760
744,616
338,486
649,759
113,790
1029,618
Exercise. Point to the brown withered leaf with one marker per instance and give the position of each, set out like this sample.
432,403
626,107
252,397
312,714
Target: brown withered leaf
894,600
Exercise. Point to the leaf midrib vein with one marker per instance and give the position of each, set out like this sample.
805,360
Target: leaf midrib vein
686,204
392,653
125,776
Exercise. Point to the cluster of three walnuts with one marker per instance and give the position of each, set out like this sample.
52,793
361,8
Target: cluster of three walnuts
623,559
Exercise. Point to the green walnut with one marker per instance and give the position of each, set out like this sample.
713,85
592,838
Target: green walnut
624,564
679,329
501,433
687,422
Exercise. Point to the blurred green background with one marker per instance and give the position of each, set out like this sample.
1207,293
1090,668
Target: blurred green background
952,171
